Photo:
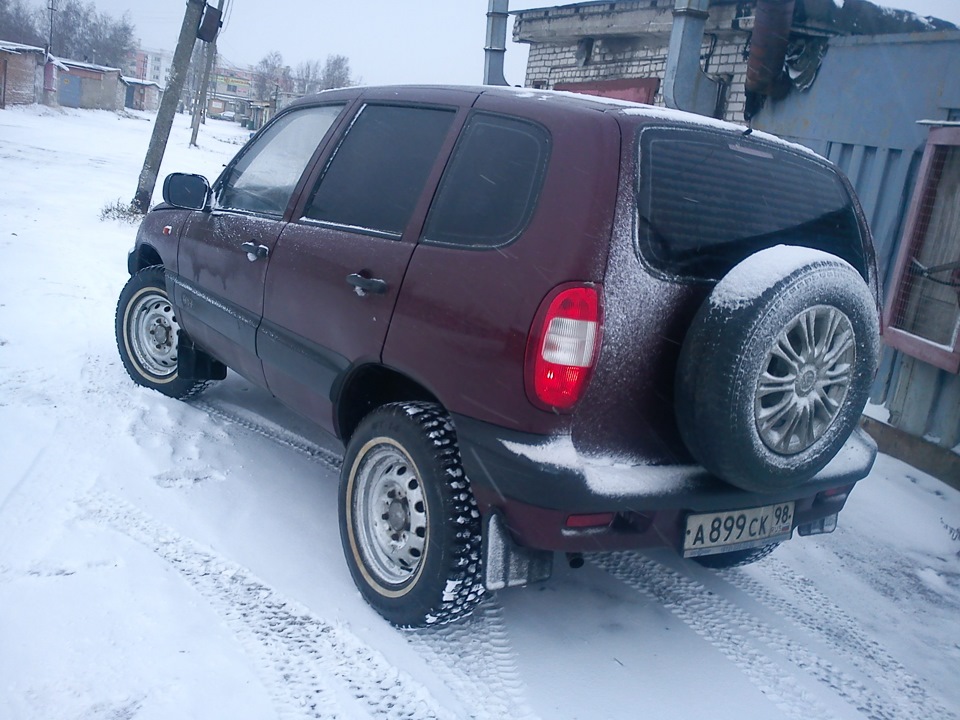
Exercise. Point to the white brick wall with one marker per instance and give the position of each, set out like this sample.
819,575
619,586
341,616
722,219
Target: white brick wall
548,65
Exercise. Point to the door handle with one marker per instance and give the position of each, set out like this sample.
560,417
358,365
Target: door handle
365,285
255,252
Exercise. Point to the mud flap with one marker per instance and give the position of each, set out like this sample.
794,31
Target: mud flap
818,527
194,364
506,564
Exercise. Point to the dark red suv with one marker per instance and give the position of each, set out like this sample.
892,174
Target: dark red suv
537,321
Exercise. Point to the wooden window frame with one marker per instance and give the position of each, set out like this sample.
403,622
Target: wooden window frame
945,357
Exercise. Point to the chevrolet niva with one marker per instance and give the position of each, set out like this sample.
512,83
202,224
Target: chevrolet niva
537,322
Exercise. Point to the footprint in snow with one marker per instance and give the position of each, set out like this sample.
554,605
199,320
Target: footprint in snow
187,477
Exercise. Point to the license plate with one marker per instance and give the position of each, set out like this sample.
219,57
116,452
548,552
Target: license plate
712,533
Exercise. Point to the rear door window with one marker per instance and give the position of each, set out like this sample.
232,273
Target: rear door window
489,191
264,177
707,200
376,176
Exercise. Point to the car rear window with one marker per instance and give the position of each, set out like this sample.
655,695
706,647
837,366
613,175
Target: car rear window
490,189
707,200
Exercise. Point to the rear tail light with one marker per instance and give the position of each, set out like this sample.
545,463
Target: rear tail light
563,346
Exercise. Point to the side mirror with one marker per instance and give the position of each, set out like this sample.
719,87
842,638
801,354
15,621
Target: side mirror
190,192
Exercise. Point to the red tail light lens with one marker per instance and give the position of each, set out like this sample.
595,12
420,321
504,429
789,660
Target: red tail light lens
590,520
563,345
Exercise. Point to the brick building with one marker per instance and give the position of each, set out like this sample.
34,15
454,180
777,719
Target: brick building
141,94
21,74
599,42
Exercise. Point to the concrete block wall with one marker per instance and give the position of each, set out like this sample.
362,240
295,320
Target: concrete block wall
24,79
98,90
549,64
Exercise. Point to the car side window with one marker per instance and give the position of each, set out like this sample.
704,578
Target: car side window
490,189
377,174
264,177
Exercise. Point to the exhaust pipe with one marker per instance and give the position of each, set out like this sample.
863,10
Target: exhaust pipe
575,560
496,47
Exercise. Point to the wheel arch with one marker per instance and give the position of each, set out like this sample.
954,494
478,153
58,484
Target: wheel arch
368,387
142,257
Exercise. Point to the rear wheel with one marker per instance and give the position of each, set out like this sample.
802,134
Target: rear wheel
409,524
776,368
148,333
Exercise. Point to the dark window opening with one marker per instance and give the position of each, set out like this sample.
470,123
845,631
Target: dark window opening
489,191
706,201
377,174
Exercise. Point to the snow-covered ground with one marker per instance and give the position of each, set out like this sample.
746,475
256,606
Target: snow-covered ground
166,560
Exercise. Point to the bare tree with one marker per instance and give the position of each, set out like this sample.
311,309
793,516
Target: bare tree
269,75
336,72
108,41
80,32
307,76
18,23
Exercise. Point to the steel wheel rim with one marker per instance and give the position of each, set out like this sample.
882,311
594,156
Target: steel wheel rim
152,330
390,514
805,379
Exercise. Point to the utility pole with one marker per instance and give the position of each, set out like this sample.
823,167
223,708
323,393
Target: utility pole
52,8
168,106
199,107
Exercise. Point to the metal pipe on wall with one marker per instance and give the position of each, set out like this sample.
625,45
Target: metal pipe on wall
685,85
496,46
768,45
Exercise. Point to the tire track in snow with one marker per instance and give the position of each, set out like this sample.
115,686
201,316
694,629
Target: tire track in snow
277,434
475,660
730,629
298,652
809,608
473,657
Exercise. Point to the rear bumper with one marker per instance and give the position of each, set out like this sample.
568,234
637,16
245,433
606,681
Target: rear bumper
537,483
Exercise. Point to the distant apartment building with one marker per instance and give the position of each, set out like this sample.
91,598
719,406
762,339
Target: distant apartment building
150,66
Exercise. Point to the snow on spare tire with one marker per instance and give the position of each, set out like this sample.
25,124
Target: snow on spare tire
776,368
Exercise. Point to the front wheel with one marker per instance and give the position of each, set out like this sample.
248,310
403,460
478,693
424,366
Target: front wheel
409,524
148,333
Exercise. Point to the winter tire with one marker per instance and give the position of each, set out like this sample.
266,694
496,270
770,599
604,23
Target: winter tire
776,368
409,525
736,558
147,335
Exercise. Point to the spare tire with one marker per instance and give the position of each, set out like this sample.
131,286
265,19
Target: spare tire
776,368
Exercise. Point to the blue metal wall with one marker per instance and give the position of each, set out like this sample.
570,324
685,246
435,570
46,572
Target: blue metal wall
862,113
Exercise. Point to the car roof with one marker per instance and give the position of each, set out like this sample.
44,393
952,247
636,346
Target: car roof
627,112
433,92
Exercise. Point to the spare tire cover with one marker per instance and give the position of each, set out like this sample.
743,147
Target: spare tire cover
776,368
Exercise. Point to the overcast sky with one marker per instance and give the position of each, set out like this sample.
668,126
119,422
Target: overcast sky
387,41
